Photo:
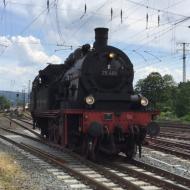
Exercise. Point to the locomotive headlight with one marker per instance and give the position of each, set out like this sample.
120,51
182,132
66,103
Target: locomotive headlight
111,55
90,100
144,101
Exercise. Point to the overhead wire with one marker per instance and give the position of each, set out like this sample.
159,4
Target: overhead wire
142,20
87,20
27,26
169,29
145,38
58,23
156,62
25,4
123,17
157,57
85,9
140,55
158,34
153,56
155,9
169,22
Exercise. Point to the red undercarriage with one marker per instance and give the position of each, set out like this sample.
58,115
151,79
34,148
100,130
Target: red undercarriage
107,119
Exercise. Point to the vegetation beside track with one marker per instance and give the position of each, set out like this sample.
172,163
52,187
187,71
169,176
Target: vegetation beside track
171,118
166,95
11,174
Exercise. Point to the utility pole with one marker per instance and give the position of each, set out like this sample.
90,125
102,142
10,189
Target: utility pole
29,92
17,99
23,101
184,45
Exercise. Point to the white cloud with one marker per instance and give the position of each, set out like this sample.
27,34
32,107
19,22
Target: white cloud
143,72
74,29
27,52
22,60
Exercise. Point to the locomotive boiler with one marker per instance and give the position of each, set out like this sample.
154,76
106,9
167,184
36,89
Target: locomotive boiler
88,103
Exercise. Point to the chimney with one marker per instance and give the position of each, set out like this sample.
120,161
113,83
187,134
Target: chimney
101,38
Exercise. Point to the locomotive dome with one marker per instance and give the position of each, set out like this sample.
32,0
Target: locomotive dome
106,67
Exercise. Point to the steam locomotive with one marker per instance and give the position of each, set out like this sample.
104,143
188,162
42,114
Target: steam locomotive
88,103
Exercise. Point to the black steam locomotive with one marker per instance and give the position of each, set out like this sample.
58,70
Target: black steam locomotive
88,103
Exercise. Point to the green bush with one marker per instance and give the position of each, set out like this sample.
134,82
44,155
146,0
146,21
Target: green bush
4,103
186,117
167,116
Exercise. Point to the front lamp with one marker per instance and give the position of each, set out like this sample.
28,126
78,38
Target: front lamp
144,101
90,100
111,55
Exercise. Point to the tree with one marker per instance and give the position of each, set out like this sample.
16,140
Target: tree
4,103
164,94
168,81
182,99
168,94
151,87
157,89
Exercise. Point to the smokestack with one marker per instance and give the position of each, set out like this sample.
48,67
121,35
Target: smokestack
101,37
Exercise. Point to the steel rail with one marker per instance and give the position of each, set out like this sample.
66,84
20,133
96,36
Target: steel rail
98,185
31,130
170,150
158,181
118,179
170,143
58,162
23,135
164,173
115,178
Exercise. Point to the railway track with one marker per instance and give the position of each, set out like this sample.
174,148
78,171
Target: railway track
175,148
175,136
22,123
144,171
180,149
170,150
111,175
23,135
174,139
27,121
163,133
181,135
175,131
174,125
172,143
98,178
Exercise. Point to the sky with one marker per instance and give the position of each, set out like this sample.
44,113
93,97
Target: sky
33,34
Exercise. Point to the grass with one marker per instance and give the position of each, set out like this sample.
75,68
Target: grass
11,174
170,117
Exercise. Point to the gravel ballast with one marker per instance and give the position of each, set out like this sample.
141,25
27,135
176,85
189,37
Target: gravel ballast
165,161
36,177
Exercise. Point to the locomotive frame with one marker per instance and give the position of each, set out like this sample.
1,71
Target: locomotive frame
60,124
77,109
